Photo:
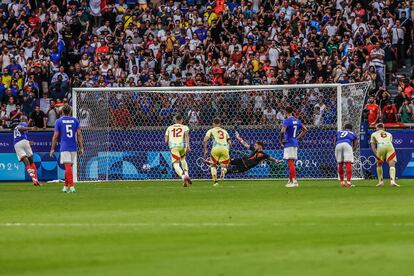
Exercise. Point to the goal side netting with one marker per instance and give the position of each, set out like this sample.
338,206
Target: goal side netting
124,128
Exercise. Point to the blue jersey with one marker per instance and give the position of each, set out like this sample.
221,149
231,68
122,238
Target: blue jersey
67,128
18,134
345,136
293,127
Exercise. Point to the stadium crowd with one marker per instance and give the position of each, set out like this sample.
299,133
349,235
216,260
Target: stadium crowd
48,47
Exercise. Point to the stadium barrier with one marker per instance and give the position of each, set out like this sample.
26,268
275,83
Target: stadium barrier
158,162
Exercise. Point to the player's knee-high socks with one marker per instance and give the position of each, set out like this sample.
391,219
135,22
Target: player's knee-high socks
392,173
341,171
184,165
380,173
31,173
33,166
223,171
68,175
178,169
214,173
292,169
348,171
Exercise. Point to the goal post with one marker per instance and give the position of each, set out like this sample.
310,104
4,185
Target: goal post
123,128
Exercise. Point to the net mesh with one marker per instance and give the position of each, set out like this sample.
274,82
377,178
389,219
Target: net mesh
352,100
124,128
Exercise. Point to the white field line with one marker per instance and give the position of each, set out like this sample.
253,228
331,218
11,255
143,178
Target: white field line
194,225
131,225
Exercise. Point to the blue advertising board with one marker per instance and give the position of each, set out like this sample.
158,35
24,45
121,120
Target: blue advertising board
147,157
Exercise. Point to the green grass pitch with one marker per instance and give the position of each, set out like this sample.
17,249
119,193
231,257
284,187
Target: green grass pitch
240,228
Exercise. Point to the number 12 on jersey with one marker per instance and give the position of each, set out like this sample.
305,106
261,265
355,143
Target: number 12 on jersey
177,132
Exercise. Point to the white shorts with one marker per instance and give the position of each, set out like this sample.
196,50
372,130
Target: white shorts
23,149
67,157
344,153
290,153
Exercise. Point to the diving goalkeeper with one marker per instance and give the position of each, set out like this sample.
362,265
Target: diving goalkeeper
256,156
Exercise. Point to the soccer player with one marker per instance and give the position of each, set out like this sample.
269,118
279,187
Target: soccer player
381,145
239,165
68,129
177,137
346,142
220,150
24,150
292,131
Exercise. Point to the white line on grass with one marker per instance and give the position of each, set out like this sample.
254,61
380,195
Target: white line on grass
133,225
194,225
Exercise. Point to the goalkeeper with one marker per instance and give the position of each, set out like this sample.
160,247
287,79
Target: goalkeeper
256,156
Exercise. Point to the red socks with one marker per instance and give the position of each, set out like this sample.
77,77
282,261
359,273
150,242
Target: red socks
341,171
292,169
33,167
31,173
348,171
68,175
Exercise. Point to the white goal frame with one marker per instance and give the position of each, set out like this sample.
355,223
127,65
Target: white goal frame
216,89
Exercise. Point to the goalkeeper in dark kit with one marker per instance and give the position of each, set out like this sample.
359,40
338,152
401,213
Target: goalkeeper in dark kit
239,165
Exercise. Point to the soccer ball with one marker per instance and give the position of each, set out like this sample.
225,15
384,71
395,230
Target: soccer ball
146,167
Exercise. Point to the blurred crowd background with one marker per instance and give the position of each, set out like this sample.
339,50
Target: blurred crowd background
48,47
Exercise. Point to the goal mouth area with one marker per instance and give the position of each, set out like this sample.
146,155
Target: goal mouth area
209,180
124,127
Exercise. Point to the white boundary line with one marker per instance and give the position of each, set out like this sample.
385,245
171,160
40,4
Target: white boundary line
195,225
132,225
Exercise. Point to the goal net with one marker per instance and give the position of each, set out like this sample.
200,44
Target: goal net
124,128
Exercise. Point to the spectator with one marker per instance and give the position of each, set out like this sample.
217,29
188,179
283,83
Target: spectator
15,114
373,111
52,114
407,88
4,116
38,118
317,116
11,106
398,34
269,114
406,112
390,113
399,99
59,88
377,58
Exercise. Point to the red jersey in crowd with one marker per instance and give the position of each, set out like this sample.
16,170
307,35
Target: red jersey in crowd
409,91
373,113
390,113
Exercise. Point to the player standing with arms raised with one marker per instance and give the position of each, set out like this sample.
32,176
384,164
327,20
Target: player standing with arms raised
346,142
383,149
177,137
292,131
68,129
220,150
24,150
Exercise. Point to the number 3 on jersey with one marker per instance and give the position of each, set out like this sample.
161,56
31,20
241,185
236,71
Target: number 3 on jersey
221,134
